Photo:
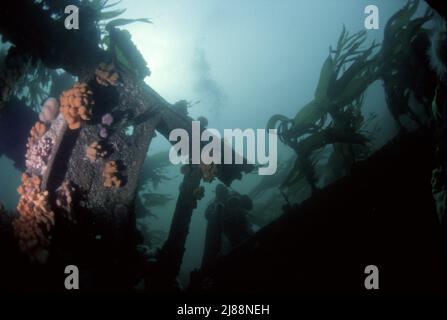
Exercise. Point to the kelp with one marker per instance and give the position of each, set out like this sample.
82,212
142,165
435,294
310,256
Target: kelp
403,37
34,86
344,76
395,25
334,117
27,78
117,42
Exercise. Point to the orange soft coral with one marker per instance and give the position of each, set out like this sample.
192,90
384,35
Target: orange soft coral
75,105
110,177
29,184
105,74
37,131
35,218
95,151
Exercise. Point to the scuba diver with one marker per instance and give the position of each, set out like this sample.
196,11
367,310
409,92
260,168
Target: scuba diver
227,220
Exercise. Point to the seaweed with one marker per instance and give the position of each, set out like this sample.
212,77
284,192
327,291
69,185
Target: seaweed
405,40
334,117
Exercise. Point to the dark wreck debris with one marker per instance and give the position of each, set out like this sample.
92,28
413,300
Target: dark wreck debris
226,219
382,214
170,257
439,7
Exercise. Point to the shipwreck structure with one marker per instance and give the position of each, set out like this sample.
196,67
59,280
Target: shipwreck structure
81,168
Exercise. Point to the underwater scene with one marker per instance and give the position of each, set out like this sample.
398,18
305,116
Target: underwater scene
223,148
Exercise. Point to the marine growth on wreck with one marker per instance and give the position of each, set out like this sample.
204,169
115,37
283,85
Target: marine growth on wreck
95,101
